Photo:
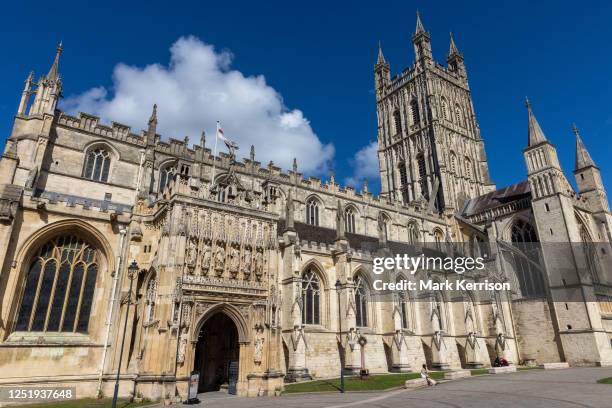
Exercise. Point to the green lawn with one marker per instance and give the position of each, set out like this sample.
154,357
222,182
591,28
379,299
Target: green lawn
479,371
528,368
373,383
88,403
605,380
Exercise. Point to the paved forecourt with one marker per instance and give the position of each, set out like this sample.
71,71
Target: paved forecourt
574,387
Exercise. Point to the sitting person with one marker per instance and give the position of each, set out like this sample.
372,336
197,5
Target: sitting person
427,377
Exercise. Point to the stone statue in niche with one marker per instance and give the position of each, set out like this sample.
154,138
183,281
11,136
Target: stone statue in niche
258,352
182,347
234,263
246,263
191,253
258,265
219,260
206,256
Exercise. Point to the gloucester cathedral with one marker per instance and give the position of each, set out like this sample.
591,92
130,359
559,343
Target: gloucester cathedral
254,276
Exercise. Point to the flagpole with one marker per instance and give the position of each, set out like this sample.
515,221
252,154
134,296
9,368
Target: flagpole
212,182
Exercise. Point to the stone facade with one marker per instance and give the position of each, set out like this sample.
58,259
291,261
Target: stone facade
270,271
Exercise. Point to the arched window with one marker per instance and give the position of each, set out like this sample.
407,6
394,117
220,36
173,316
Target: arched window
312,211
438,239
349,220
59,287
444,109
311,298
523,232
97,165
166,175
423,175
397,121
151,298
402,299
453,163
590,252
458,115
361,302
384,221
414,109
468,168
413,233
528,275
403,174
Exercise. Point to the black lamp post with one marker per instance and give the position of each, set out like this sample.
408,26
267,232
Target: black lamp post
338,288
132,271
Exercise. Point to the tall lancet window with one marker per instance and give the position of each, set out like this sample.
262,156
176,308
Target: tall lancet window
97,165
349,220
151,297
414,109
311,298
312,212
397,120
59,287
361,302
166,175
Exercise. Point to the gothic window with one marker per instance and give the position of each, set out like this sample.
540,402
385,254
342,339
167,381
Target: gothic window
413,233
166,175
349,220
59,287
525,260
422,175
97,165
311,298
361,302
384,221
312,211
438,239
444,109
151,296
590,252
468,168
402,299
403,174
458,115
397,121
414,109
523,232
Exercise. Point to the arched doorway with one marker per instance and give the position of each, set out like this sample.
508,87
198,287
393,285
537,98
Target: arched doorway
217,354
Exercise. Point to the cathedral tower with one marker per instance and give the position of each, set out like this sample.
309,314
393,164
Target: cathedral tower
429,143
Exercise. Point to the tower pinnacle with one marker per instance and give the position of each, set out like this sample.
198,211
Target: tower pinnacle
381,57
535,133
453,48
53,74
419,25
583,158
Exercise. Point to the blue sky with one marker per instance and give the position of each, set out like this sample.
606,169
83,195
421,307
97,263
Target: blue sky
317,60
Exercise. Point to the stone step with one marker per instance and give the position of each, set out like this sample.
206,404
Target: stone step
453,375
415,383
502,370
554,366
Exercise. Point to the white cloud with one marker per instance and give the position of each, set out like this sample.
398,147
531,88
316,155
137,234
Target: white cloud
197,88
365,165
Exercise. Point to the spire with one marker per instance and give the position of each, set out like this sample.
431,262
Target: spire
536,135
53,74
295,167
381,57
252,153
203,140
419,25
583,158
453,48
152,126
